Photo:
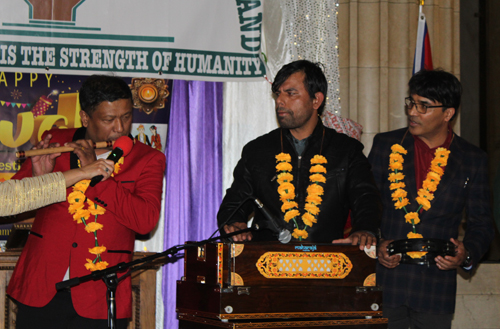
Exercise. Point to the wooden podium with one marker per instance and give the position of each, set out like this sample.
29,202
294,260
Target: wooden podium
274,285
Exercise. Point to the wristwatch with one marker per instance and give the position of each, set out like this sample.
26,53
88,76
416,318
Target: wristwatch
468,260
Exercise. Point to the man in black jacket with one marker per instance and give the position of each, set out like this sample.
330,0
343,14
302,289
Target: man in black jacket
310,177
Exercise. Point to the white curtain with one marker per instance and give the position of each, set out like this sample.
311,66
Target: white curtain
291,30
248,113
155,244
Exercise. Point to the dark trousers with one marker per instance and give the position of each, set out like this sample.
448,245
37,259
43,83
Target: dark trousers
405,318
59,313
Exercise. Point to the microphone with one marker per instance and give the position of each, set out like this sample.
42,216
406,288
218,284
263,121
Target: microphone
284,235
122,147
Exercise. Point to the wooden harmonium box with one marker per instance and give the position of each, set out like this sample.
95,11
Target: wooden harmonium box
238,281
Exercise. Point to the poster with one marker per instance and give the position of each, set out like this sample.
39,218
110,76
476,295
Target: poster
32,103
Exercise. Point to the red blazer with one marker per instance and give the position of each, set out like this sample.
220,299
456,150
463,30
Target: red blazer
132,202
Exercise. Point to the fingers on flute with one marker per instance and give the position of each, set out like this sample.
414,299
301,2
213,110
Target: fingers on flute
84,145
54,155
44,142
87,143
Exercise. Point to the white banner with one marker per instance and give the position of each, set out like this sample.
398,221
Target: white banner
212,40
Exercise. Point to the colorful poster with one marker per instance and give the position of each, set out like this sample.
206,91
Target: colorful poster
32,103
215,40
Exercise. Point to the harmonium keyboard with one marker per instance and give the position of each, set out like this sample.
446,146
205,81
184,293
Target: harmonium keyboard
274,285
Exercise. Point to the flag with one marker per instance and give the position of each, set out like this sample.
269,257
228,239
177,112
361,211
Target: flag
423,56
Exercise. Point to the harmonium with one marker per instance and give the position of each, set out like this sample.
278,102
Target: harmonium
274,285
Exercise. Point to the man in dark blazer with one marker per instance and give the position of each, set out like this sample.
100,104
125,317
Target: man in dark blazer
299,90
420,296
61,245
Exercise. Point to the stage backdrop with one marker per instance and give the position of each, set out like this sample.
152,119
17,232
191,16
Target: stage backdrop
216,40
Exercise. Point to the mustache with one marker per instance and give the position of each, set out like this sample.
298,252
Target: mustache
282,109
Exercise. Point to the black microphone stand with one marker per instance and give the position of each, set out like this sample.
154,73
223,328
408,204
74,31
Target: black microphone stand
111,279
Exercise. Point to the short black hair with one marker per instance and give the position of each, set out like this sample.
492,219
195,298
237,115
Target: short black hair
438,86
99,88
314,80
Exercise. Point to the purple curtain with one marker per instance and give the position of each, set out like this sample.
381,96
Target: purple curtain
193,174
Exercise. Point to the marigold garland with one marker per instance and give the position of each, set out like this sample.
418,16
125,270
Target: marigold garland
425,194
286,191
77,200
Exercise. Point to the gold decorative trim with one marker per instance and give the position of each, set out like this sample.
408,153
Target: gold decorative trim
301,265
220,251
284,324
205,321
370,281
371,252
282,315
208,315
236,279
249,316
237,249
202,253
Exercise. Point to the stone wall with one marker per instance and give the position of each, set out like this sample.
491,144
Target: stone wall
478,298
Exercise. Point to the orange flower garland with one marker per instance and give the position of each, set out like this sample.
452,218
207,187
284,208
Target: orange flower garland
76,200
425,194
286,191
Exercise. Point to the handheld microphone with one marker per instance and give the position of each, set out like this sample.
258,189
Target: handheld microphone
122,147
284,235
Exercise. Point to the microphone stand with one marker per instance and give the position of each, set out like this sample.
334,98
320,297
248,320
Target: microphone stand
111,279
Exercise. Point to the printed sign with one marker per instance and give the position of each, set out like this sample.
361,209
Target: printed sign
216,40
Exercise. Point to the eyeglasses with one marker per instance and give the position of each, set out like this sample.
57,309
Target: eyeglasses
421,108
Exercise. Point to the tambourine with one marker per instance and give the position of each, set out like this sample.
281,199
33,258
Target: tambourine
433,247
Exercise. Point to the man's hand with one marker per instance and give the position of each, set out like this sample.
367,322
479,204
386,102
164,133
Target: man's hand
449,262
363,238
84,149
96,168
238,227
44,164
383,255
